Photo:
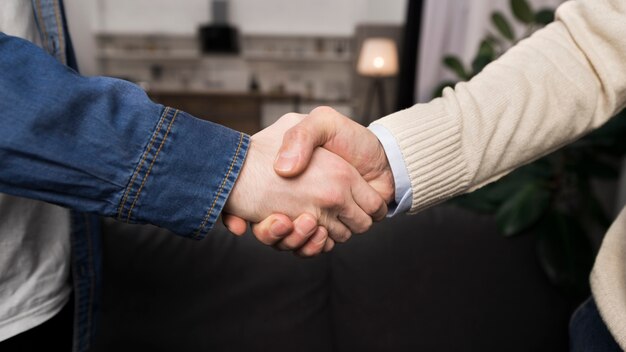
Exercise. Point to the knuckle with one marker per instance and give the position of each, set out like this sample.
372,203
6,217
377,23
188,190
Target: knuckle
322,110
297,133
367,223
292,116
345,174
373,205
332,198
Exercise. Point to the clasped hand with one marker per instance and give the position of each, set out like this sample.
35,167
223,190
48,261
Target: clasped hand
330,178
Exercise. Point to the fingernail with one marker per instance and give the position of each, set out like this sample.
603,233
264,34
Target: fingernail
278,228
319,237
286,161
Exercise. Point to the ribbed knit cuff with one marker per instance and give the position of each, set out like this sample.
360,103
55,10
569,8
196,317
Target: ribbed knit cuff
430,141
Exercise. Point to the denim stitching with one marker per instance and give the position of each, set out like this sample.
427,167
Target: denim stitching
60,33
143,159
145,178
219,193
43,25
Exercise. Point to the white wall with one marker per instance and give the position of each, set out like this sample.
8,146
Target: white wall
251,16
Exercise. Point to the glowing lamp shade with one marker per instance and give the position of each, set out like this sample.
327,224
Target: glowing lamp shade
379,57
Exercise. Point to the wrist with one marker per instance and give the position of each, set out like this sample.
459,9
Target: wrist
396,173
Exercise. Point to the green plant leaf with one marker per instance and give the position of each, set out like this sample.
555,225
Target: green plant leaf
455,64
495,42
523,209
437,92
490,198
486,49
477,202
544,16
522,11
486,54
479,63
503,26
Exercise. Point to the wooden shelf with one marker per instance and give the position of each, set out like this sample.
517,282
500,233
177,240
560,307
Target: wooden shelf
150,57
297,59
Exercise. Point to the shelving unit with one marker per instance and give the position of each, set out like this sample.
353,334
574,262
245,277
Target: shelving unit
317,69
294,48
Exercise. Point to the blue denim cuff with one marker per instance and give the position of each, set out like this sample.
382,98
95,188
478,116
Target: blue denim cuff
185,175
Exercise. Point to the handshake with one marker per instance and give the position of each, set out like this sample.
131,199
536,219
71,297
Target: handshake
329,179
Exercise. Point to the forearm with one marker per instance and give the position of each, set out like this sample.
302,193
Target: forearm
549,90
100,145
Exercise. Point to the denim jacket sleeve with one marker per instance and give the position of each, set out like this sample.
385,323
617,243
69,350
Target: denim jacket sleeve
99,145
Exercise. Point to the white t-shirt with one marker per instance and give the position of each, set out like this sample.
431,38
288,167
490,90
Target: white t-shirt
34,236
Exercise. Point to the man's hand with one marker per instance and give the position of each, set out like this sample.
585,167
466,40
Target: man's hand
330,190
325,127
329,129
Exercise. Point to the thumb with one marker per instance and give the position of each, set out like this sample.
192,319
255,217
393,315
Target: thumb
299,142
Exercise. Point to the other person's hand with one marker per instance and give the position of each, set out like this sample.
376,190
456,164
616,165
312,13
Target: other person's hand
331,130
329,190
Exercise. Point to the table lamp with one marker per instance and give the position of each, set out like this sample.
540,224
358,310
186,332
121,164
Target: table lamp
378,59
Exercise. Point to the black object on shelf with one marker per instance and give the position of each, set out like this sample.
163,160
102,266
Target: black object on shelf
219,36
219,39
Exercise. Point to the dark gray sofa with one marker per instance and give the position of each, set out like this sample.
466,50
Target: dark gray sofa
442,280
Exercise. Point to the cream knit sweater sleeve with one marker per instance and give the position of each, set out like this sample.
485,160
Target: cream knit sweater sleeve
545,92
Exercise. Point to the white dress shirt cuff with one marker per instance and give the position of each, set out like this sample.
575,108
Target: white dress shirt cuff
404,196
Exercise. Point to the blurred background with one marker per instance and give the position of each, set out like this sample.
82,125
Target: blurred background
492,271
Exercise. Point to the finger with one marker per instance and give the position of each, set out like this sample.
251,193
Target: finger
370,201
315,245
354,218
234,224
329,245
273,229
300,141
338,231
304,227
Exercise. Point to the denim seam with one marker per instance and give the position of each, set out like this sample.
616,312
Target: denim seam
221,189
42,25
140,166
156,155
61,35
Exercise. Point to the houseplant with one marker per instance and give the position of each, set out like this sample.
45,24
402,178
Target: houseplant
552,198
